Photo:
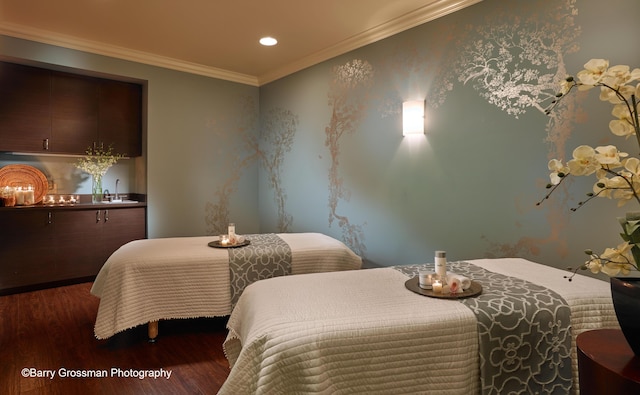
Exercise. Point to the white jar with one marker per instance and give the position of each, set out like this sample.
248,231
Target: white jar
441,265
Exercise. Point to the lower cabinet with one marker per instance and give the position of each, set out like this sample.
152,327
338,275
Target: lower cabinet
47,246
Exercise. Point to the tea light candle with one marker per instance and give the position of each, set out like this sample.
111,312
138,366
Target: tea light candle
437,286
224,240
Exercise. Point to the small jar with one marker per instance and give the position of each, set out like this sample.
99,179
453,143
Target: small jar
441,265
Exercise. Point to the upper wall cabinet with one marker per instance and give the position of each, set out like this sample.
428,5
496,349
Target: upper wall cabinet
25,108
44,111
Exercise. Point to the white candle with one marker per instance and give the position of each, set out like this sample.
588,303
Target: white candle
437,286
425,279
224,240
19,196
29,197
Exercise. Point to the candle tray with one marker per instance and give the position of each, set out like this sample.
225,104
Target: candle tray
217,244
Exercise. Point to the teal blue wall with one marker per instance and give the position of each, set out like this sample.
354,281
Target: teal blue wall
322,150
470,184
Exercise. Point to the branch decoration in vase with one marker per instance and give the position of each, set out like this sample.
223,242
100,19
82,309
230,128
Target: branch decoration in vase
617,173
97,162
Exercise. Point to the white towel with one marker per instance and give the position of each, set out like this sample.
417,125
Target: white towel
464,281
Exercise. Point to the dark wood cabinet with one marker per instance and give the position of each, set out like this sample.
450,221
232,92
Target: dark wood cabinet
45,246
25,108
120,117
74,113
46,111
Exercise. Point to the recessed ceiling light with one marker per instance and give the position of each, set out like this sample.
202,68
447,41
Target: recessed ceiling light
268,41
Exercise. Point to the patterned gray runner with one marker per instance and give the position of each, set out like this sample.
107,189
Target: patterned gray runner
524,332
266,256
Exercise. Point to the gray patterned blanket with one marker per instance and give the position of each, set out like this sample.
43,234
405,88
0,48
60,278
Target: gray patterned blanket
266,256
524,333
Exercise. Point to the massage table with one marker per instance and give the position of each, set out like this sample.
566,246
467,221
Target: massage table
145,281
366,332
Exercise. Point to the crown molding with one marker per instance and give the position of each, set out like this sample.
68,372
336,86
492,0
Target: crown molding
423,15
46,37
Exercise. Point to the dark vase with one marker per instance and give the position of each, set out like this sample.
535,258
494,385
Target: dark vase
625,292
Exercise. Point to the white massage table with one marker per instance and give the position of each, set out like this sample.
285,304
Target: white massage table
364,332
149,280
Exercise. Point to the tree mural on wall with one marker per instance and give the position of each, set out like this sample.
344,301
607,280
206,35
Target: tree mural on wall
516,64
239,158
350,84
276,138
270,148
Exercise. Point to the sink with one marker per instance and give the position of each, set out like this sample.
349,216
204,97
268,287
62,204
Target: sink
120,201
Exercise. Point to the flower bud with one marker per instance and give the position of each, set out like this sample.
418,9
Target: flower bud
588,251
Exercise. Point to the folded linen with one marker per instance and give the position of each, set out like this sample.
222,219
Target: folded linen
465,282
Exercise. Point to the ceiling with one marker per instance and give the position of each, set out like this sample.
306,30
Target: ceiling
218,38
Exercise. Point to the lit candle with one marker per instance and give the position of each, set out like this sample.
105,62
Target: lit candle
29,196
437,286
224,240
425,279
72,199
19,196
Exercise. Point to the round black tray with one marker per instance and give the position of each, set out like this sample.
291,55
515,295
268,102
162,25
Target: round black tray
217,244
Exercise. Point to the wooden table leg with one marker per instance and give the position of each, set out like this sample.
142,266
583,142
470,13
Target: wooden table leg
152,330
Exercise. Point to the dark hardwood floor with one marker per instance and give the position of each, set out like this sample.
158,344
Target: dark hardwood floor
52,329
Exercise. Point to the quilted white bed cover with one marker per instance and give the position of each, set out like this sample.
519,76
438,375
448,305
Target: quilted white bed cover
364,332
169,278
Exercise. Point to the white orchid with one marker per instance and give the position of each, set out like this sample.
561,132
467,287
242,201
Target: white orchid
617,174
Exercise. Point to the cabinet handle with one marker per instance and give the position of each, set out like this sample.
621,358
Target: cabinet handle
97,215
106,215
45,144
49,218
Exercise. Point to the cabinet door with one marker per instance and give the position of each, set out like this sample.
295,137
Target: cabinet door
120,226
25,115
120,117
78,242
74,113
27,248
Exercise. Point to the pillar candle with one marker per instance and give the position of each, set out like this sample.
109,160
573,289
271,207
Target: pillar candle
29,197
19,196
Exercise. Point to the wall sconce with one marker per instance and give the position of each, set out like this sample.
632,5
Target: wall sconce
413,117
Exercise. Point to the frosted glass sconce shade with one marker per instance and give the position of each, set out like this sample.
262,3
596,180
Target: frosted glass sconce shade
413,117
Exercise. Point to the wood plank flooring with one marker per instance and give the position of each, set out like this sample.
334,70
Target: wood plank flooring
52,329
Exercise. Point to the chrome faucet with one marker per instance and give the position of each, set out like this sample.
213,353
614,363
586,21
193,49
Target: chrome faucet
117,182
106,195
